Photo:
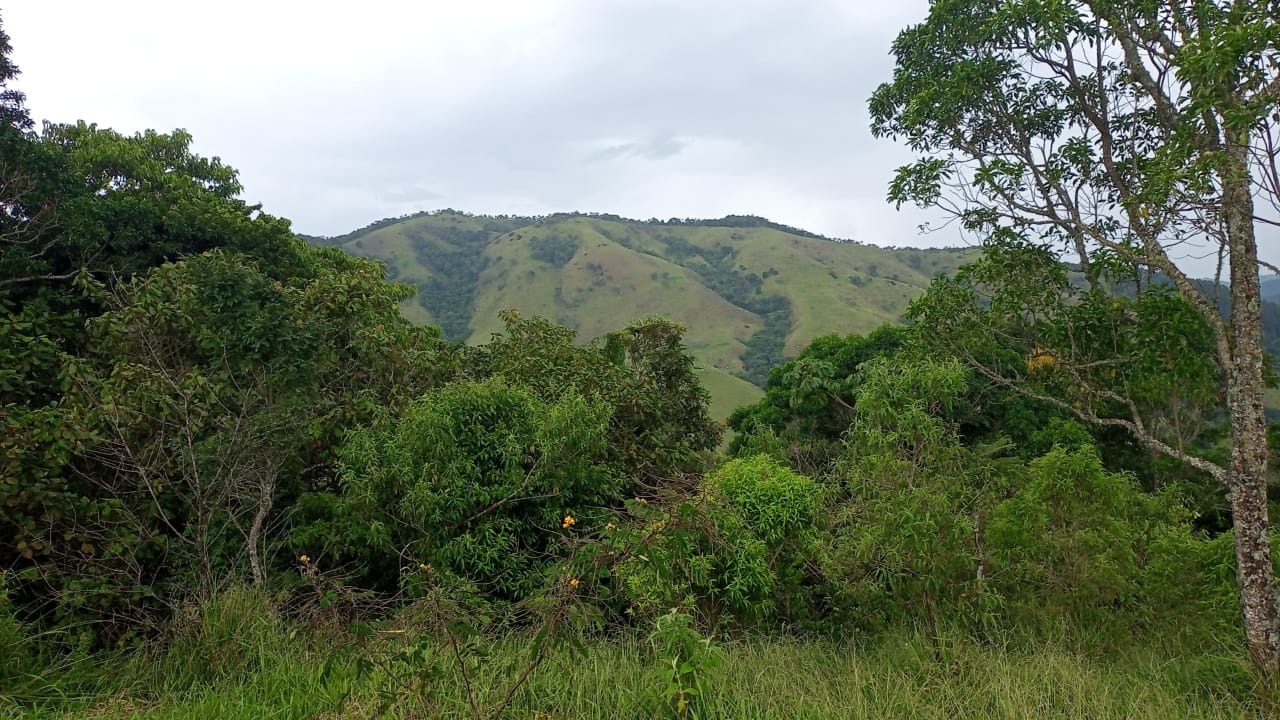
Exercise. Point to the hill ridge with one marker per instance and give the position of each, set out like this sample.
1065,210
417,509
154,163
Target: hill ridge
751,292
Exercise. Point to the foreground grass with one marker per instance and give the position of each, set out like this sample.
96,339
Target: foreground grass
280,676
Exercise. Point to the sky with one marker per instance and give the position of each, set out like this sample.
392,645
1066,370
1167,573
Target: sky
340,114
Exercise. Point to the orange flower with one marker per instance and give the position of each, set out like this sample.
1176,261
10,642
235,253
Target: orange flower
568,522
573,582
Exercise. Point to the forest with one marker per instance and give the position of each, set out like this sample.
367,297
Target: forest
237,481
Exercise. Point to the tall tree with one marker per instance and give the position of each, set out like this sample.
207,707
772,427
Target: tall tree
20,209
1131,134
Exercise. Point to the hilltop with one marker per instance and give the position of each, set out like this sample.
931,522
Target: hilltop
751,292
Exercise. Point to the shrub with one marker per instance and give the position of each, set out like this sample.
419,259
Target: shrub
659,427
481,479
1082,547
905,540
734,551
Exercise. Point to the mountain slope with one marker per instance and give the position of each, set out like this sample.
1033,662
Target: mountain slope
1271,288
750,292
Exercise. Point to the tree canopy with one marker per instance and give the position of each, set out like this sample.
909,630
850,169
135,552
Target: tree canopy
1128,134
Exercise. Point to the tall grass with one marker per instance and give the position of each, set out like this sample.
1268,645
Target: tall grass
238,659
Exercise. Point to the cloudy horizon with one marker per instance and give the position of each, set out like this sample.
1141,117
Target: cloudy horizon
337,115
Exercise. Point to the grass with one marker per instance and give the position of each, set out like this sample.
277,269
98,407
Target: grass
727,392
759,679
238,659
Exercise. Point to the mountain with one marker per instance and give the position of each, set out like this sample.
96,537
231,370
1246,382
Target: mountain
1271,288
751,292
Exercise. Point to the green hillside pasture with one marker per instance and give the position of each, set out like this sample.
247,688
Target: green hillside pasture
604,287
728,393
597,275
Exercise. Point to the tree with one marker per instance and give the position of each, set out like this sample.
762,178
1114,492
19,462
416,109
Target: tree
1131,134
24,210
659,424
809,401
213,396
480,479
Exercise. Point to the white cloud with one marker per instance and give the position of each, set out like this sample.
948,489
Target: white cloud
338,114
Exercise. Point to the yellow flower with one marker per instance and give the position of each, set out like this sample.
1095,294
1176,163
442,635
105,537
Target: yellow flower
304,559
610,526
424,567
1040,359
568,522
573,582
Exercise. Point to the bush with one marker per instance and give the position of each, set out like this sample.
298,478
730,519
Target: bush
929,530
905,540
1080,547
480,479
660,426
735,551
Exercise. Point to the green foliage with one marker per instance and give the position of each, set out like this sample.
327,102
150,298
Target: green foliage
932,531
1116,132
658,425
554,250
680,686
737,551
480,479
766,347
809,401
190,394
455,258
116,206
16,651
1111,361
215,391
905,533
1084,547
778,505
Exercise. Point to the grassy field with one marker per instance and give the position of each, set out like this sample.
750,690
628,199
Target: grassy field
727,392
242,661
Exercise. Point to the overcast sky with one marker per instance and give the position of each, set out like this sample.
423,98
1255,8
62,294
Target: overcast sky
339,114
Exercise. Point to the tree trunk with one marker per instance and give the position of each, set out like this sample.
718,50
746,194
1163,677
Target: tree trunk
266,488
1246,477
204,583
1258,597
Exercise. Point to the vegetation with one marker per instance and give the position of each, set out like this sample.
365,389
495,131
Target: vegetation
1117,131
238,480
751,293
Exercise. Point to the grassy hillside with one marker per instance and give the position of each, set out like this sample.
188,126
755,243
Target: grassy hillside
751,293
